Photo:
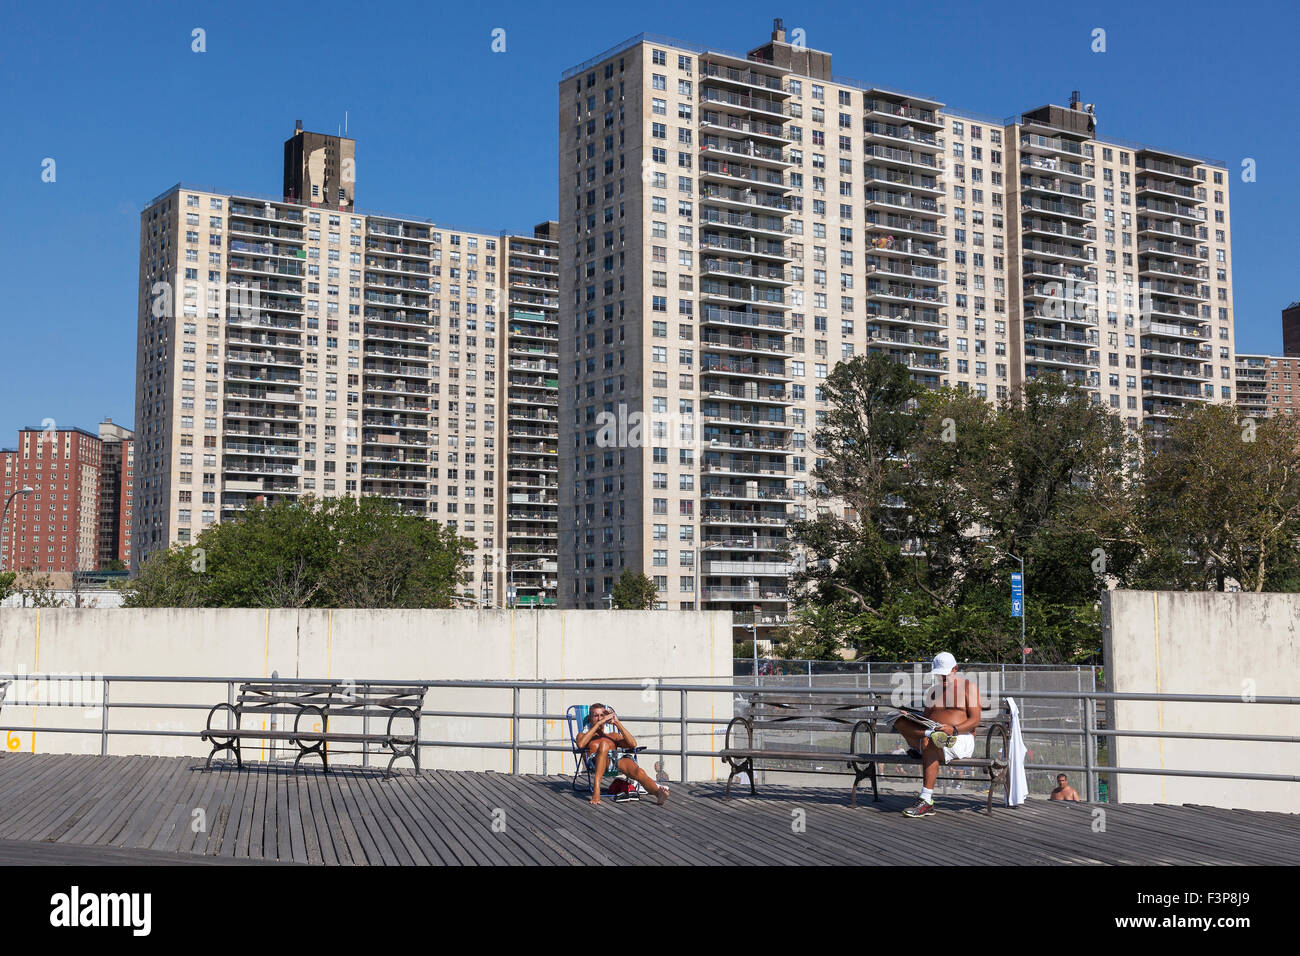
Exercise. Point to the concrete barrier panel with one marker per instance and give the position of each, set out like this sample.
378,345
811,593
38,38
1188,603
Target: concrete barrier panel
1205,643
641,647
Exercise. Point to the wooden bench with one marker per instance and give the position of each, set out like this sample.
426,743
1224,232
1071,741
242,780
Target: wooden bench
321,702
864,713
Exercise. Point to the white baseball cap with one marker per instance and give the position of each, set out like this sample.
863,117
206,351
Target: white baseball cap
943,664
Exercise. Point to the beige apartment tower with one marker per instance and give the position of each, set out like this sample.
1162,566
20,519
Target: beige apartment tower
290,348
731,226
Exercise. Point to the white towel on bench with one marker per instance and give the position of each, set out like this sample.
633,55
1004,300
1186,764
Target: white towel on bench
1019,789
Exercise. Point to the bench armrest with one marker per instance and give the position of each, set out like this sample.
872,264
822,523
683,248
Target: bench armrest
223,705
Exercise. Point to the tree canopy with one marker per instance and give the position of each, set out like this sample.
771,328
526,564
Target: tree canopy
925,498
634,591
331,552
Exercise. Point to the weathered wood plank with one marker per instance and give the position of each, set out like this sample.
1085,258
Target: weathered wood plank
137,809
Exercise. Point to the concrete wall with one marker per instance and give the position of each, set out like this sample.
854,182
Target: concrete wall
1205,643
636,646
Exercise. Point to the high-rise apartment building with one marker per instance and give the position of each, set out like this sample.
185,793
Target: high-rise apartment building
296,346
530,475
116,490
731,226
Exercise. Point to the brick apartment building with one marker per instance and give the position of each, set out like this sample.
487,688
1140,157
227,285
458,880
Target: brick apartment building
81,483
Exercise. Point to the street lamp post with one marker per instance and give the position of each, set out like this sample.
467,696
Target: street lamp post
5,511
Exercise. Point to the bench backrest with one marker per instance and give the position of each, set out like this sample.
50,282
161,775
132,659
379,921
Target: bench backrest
339,698
775,710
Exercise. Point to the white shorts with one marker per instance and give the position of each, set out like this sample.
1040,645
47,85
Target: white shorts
960,749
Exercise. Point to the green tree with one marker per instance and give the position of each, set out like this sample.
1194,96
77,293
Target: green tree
633,591
37,590
1221,500
941,487
7,585
333,552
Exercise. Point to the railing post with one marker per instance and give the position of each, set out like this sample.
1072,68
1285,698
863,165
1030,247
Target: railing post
682,717
230,699
275,675
103,725
544,728
365,727
1089,745
514,729
659,704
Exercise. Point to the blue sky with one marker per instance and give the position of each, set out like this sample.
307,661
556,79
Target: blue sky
447,129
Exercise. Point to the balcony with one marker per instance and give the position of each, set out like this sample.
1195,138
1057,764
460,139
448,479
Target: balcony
899,111
1069,358
760,271
752,595
747,568
922,138
908,158
742,103
1175,331
1050,145
744,466
747,246
905,293
757,152
716,315
1057,251
1166,167
877,222
728,516
1055,166
775,132
746,343
1062,208
891,267
886,199
1174,210
908,180
715,365
1175,250
771,84
741,293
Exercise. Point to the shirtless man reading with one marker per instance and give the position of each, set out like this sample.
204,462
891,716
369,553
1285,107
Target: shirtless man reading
1063,789
954,704
607,739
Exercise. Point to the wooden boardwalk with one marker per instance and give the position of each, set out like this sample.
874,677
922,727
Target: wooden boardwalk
151,810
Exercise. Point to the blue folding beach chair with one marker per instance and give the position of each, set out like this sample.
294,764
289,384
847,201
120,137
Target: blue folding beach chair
585,763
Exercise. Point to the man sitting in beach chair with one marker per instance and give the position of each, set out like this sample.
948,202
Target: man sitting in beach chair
606,742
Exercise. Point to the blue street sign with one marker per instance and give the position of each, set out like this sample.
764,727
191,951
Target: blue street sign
1017,594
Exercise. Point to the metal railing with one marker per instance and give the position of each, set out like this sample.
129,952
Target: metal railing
100,698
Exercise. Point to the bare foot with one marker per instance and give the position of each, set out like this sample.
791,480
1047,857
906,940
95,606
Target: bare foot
662,795
595,801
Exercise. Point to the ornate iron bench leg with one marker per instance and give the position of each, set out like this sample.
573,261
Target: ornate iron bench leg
316,749
232,745
860,774
232,740
747,767
398,749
